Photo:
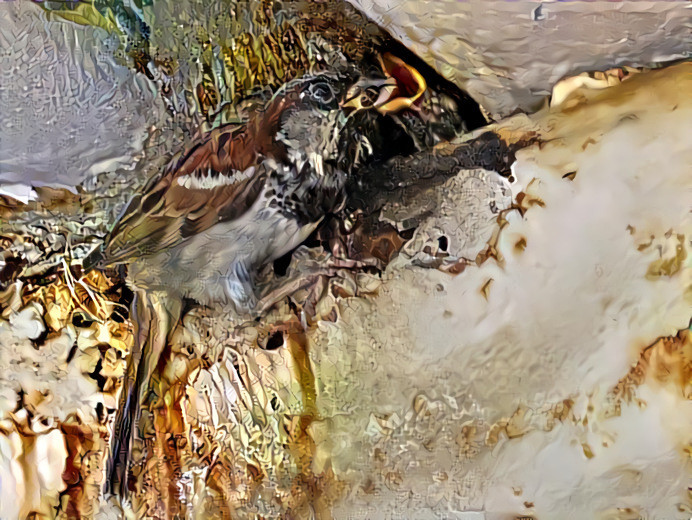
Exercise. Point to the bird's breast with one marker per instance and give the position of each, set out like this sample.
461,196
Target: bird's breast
199,267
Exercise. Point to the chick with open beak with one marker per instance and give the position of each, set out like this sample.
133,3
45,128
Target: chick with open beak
426,116
402,87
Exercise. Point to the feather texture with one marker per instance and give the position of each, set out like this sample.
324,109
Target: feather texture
216,181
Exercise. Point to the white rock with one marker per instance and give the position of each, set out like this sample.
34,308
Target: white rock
28,323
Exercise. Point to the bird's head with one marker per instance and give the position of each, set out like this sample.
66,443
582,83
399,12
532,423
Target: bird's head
350,121
311,117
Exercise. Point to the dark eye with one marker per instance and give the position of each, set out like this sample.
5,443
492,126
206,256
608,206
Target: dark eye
322,92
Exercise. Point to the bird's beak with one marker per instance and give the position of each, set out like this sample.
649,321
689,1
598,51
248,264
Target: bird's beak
403,87
358,96
410,85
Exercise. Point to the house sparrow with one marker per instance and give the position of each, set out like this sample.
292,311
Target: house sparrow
245,195
240,198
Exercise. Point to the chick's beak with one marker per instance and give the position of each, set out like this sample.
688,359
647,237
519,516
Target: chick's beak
361,96
410,85
403,87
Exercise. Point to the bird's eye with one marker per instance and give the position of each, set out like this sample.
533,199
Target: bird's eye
322,92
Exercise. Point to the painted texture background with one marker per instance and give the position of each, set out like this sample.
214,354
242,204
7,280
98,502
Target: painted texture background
534,383
510,54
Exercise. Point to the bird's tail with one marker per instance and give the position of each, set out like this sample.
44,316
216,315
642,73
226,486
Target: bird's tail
155,316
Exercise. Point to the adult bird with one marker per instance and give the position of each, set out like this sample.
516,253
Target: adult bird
243,196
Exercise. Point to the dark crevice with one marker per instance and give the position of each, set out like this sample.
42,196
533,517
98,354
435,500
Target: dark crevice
281,264
275,341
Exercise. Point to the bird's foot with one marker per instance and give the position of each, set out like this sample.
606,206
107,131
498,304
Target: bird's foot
307,280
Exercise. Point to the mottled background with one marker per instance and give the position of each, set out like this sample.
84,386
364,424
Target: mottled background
551,378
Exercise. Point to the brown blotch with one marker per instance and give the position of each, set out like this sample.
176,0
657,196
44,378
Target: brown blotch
668,266
668,361
520,245
485,290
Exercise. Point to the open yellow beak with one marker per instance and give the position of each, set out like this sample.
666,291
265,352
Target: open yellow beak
410,85
403,87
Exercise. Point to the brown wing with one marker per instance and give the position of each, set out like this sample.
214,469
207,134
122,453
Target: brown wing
215,181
